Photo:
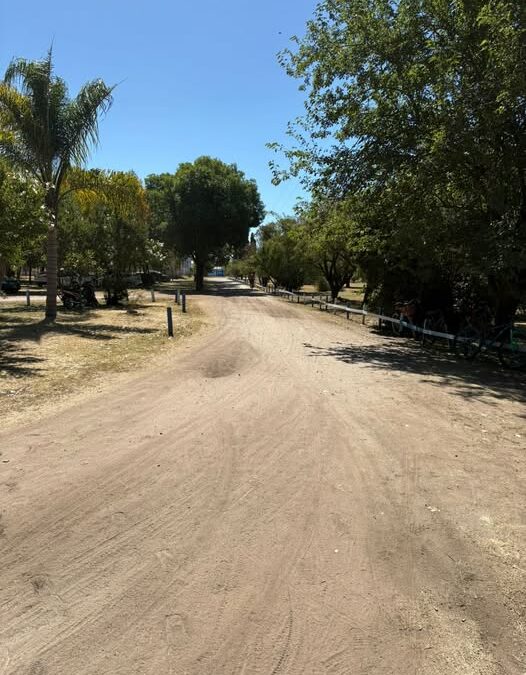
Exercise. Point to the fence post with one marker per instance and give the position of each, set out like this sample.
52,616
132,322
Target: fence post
176,296
183,301
170,322
153,294
28,298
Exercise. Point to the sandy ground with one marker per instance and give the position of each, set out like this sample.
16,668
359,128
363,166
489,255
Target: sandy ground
291,493
58,363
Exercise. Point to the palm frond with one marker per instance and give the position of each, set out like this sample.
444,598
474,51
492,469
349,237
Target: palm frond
16,123
51,131
81,129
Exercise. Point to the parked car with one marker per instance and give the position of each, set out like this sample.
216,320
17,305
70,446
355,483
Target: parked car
10,285
41,279
153,277
133,280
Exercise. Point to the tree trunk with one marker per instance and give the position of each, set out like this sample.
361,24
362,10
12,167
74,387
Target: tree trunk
199,275
336,287
366,295
51,273
506,309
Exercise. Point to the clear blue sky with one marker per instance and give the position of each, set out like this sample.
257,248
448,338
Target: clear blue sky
195,77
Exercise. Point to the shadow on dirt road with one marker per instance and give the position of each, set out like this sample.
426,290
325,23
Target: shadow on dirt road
468,379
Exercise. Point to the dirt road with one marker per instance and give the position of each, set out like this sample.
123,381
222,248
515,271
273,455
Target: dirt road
291,494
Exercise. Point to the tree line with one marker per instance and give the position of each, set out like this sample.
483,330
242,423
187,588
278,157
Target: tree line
56,213
413,147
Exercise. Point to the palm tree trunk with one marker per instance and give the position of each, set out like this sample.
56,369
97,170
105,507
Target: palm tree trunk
51,273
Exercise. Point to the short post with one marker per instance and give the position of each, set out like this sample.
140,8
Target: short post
348,314
153,294
169,322
364,307
28,298
183,302
176,296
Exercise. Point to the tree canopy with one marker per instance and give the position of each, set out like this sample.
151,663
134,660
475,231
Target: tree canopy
416,116
22,220
282,254
104,225
204,206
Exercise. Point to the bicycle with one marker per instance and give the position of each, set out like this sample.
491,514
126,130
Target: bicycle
506,339
512,348
470,335
406,313
434,321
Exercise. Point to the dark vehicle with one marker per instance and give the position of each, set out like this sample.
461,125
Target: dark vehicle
79,297
152,277
10,285
133,280
62,279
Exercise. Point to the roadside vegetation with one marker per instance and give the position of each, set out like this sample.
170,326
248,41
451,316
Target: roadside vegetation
96,224
413,147
206,210
91,237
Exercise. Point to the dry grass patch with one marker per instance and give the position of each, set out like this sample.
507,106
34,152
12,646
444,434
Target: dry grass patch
41,362
354,294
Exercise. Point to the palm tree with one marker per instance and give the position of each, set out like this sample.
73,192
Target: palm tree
45,132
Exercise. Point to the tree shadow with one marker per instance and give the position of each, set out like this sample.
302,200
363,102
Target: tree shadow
481,379
15,330
220,286
15,361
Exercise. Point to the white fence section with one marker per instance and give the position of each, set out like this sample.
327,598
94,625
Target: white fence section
322,299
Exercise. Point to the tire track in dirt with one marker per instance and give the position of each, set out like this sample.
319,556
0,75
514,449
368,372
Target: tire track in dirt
257,506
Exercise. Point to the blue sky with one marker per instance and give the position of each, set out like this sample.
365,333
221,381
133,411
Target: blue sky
194,77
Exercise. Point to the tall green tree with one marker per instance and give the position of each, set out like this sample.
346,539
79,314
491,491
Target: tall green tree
46,132
104,225
326,236
205,205
282,255
416,111
22,225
